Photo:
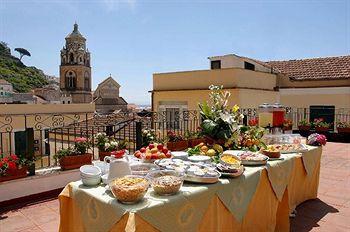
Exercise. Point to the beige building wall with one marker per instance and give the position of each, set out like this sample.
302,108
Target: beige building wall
202,79
245,98
285,82
304,97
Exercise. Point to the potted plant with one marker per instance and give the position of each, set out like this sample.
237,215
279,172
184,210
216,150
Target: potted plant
148,136
219,121
12,167
71,158
194,138
108,145
304,125
176,142
343,127
287,124
320,125
316,140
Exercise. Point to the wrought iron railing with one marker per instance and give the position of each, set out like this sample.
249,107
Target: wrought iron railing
52,132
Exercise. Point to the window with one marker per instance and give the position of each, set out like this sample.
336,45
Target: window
71,81
71,58
215,64
68,102
86,81
249,66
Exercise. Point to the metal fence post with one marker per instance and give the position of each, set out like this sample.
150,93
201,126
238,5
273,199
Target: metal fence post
138,135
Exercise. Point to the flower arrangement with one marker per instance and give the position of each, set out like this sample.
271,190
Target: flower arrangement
219,122
304,122
173,137
288,123
8,163
316,140
148,136
253,122
343,125
107,144
249,138
319,122
81,145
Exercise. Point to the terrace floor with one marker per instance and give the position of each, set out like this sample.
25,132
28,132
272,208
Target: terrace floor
330,212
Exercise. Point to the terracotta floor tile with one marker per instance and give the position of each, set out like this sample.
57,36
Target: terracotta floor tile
33,229
40,215
16,222
54,205
337,219
51,226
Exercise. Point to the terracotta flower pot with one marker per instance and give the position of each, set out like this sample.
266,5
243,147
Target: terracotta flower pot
343,129
14,174
195,142
103,154
321,129
177,146
75,161
304,128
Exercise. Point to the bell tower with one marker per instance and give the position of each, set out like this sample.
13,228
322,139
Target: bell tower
75,69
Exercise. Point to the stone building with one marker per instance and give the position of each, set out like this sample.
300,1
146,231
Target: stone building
6,91
75,69
106,97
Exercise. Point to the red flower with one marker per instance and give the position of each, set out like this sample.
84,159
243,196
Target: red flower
80,140
13,157
12,165
1,164
5,159
253,122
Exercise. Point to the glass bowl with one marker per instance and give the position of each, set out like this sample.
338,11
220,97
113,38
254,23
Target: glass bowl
166,182
129,189
142,169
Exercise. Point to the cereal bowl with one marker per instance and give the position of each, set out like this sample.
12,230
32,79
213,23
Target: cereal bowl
129,189
166,182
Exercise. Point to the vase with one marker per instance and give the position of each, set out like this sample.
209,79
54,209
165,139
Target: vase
343,129
195,142
178,145
304,128
103,154
75,161
321,129
14,174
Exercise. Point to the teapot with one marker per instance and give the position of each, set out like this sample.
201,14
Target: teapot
118,167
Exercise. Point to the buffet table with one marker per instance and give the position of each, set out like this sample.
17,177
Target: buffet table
259,200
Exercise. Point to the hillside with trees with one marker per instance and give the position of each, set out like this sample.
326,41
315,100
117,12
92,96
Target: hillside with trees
12,69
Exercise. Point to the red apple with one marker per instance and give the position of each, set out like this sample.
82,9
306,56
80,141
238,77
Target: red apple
151,146
154,156
160,147
168,155
143,150
137,154
165,150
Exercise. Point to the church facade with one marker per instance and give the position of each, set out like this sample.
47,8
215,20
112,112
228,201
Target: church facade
106,97
75,68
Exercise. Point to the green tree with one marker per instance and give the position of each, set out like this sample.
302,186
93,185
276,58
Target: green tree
22,52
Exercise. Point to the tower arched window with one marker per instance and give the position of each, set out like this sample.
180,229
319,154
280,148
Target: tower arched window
87,81
71,80
71,58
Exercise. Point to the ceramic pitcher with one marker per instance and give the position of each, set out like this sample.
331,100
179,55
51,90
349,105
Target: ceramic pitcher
118,167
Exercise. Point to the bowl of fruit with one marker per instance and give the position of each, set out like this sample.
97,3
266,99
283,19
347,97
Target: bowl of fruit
152,152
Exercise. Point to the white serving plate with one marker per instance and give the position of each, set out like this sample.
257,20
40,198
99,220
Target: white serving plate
204,180
180,155
199,158
231,174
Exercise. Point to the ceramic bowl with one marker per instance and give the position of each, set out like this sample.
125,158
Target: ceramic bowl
90,171
91,181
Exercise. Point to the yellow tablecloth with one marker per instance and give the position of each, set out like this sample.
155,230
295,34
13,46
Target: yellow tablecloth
265,212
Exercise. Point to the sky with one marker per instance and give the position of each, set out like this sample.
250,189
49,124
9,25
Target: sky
132,39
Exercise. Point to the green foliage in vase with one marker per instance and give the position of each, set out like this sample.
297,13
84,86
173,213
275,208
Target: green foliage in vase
219,122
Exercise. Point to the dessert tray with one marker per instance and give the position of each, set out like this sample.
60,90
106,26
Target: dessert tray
290,148
230,172
249,158
194,172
